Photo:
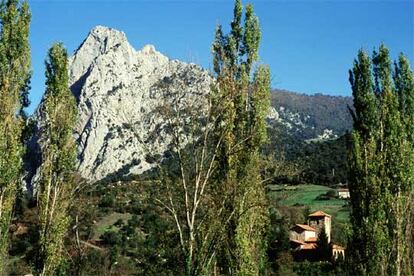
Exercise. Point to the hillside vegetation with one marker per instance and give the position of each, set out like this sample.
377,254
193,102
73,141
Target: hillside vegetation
318,112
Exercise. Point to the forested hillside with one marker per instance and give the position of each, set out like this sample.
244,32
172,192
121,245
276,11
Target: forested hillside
311,132
313,114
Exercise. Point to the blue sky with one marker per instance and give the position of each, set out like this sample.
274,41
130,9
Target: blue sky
309,45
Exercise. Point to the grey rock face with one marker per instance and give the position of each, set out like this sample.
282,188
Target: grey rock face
118,91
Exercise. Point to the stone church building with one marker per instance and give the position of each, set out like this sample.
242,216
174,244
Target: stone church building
303,237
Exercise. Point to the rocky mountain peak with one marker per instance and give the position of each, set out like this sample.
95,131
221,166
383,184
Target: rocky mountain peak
118,91
148,50
100,42
102,33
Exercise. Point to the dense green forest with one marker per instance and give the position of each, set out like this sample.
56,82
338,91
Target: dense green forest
322,162
232,186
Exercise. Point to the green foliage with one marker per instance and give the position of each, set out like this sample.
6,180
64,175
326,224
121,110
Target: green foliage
317,161
331,194
322,246
107,201
404,86
315,269
381,164
111,238
278,241
285,264
144,244
323,162
56,185
241,104
14,84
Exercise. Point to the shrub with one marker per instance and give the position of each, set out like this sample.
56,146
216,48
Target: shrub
107,201
111,238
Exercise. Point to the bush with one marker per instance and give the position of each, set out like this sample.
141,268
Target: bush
119,223
111,238
331,194
322,197
107,201
313,268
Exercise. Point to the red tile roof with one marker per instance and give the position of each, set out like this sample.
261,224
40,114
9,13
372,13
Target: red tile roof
319,214
297,241
311,239
305,227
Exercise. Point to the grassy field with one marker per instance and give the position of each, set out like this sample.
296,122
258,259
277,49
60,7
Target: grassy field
307,195
106,223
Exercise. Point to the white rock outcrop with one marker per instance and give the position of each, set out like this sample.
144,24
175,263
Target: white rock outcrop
118,91
272,114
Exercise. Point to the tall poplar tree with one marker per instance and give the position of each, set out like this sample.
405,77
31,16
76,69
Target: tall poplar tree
14,86
56,185
404,205
404,85
381,164
241,95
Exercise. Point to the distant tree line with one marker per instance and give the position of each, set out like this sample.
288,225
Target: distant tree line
317,162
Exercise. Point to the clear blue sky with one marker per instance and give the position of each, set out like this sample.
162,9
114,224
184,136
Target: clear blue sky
309,45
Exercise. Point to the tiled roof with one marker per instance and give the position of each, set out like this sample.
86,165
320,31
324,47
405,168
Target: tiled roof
297,241
319,214
311,239
305,227
308,246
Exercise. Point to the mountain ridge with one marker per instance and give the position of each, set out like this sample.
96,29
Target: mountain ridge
314,115
118,90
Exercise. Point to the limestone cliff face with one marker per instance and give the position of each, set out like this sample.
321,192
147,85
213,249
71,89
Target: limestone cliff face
118,92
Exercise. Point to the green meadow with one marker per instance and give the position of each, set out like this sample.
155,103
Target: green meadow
307,195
